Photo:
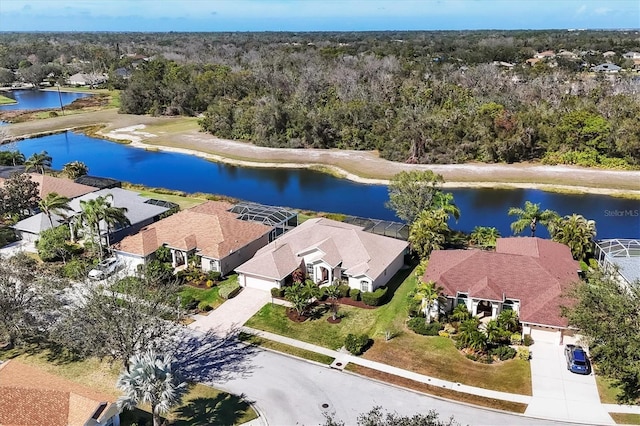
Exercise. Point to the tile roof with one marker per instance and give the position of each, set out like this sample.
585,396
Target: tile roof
31,396
209,227
65,187
359,252
535,271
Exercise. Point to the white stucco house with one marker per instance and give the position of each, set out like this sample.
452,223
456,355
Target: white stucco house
524,274
210,231
325,250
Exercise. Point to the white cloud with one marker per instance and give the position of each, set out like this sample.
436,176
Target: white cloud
602,10
581,9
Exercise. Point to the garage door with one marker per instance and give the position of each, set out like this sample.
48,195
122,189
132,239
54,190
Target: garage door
549,335
256,282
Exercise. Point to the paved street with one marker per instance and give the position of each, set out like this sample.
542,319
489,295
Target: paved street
559,393
289,392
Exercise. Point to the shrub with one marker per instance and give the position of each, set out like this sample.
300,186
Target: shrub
322,295
229,290
528,341
53,244
188,302
7,235
209,283
443,333
472,357
524,354
163,254
503,352
354,294
277,292
356,344
418,325
516,339
204,306
375,298
213,276
76,269
343,290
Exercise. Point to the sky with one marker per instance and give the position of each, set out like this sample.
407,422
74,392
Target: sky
315,15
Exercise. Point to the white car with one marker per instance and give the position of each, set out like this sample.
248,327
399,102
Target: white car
105,268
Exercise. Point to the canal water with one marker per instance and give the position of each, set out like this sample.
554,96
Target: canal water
39,99
307,189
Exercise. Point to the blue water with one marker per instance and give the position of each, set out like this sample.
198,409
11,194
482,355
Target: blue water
306,189
39,99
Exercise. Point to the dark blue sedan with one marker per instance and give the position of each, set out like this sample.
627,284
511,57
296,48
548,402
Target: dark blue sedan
577,361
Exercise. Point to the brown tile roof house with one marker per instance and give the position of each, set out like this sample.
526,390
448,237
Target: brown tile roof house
30,397
208,229
339,248
534,271
65,187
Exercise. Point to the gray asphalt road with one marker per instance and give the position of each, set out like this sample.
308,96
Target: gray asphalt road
292,392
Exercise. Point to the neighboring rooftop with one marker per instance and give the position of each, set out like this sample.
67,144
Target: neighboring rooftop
210,228
622,253
359,252
31,397
535,271
48,184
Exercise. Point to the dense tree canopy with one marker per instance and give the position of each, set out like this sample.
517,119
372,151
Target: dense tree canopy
425,97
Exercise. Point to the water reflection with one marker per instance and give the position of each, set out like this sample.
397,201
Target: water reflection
307,189
39,99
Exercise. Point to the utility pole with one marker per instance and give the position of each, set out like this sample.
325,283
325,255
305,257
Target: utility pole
60,97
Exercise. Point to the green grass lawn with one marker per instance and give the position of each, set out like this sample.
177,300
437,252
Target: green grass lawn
175,125
209,295
5,100
432,356
607,390
201,405
291,350
626,418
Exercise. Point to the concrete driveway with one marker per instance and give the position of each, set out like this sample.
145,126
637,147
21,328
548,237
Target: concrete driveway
17,247
233,313
560,394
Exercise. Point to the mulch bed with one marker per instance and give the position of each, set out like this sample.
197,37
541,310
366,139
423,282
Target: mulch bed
349,301
330,320
292,314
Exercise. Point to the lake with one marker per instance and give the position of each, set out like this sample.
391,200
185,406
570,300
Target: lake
39,99
307,189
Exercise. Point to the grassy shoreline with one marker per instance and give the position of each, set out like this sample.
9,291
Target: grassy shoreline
170,131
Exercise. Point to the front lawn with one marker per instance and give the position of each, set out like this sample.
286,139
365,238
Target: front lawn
608,390
433,356
438,357
207,295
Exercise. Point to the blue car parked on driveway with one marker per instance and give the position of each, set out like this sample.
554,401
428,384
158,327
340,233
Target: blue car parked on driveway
577,361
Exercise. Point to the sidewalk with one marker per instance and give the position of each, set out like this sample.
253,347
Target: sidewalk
345,358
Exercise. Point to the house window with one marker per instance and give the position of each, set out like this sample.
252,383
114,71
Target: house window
310,271
213,264
364,285
461,299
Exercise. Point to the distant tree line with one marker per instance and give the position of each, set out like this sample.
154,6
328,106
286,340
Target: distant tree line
419,97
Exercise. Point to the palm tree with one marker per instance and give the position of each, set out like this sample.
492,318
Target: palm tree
296,294
494,332
98,210
427,293
75,169
54,203
444,201
429,232
38,162
332,293
508,320
151,380
530,216
16,157
460,313
576,232
484,236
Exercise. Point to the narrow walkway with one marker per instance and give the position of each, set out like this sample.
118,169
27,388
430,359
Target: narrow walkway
345,358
